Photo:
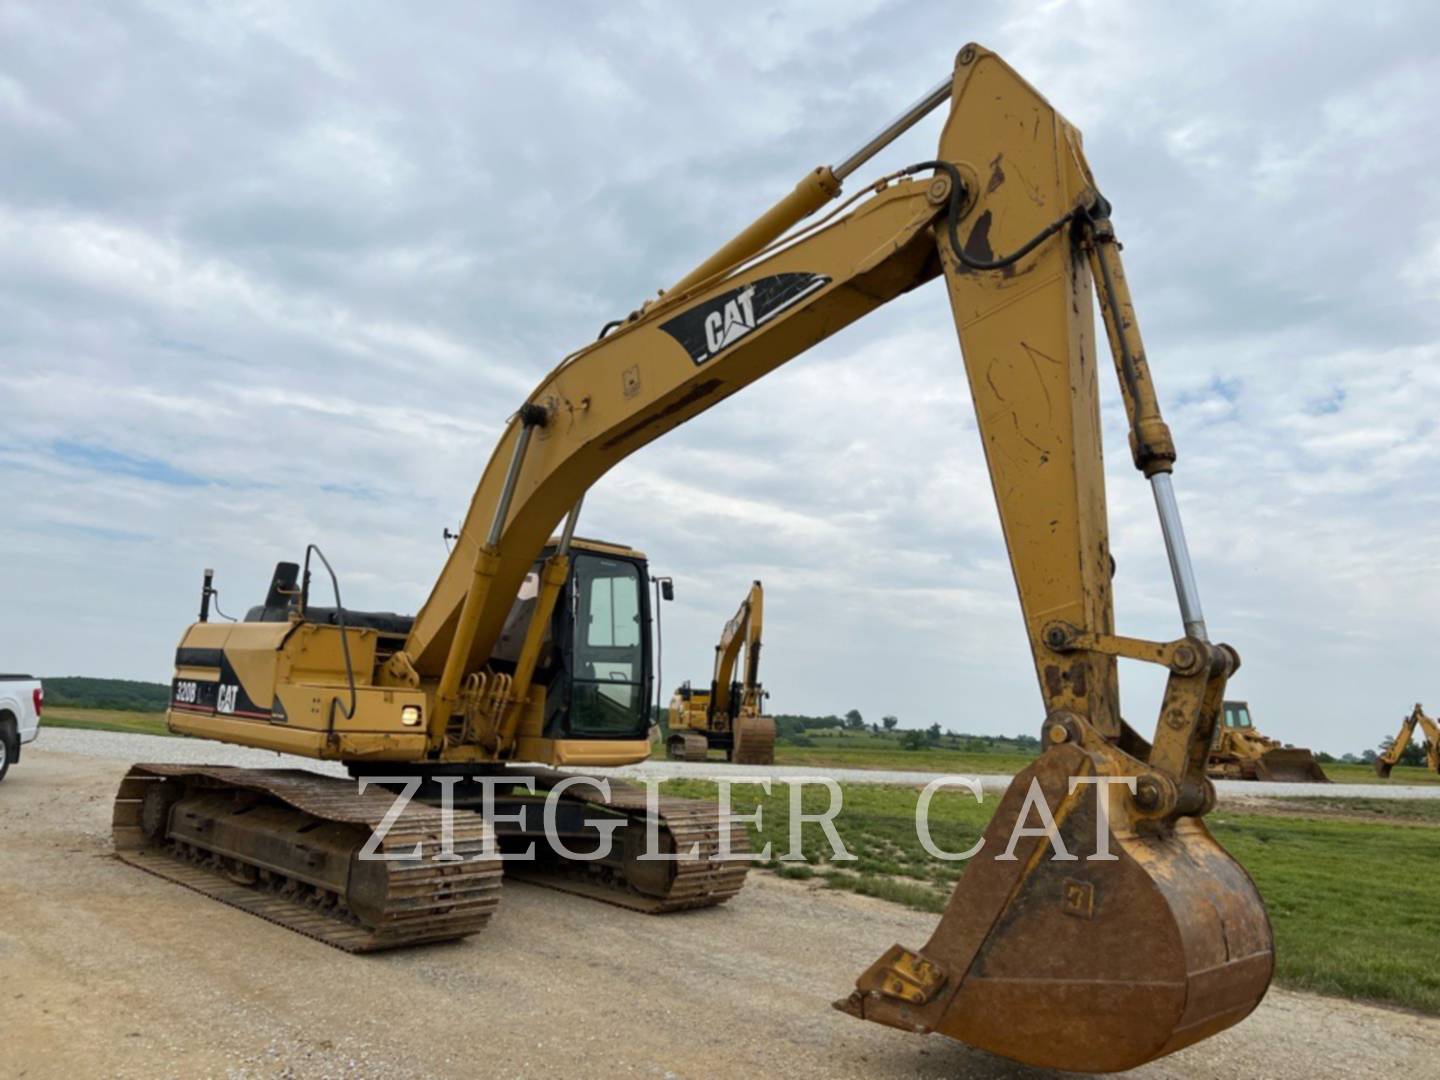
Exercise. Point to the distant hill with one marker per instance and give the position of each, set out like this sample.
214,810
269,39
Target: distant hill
78,692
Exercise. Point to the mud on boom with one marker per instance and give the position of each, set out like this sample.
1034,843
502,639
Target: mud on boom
1085,965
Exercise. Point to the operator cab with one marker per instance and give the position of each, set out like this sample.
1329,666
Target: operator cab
597,681
1237,714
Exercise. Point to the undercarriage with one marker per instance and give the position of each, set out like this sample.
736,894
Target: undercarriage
300,849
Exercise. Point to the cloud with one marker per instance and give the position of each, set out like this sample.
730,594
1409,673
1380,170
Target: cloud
272,275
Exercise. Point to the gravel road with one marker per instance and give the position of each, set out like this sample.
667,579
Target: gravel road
108,971
119,746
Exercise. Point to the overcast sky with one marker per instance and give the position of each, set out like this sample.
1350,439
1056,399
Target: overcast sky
272,274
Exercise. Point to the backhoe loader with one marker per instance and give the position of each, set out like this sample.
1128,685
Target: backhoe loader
1430,736
1239,752
729,715
1122,934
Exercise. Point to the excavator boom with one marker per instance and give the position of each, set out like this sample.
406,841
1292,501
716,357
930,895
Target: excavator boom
741,633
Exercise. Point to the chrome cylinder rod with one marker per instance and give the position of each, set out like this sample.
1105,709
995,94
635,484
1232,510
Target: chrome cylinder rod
507,492
815,189
897,127
1181,569
568,533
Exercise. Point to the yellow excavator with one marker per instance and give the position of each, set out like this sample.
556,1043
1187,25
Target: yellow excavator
730,715
1239,752
1430,735
1121,934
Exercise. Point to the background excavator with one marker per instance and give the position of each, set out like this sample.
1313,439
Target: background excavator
730,715
1123,933
1430,735
1239,752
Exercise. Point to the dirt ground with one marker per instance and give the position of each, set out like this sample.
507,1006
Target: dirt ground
107,971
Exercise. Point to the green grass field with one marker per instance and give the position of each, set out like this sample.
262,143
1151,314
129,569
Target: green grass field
1424,811
1353,902
889,756
143,723
1341,773
864,751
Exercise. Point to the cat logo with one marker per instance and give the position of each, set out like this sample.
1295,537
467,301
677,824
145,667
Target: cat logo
736,319
226,699
713,326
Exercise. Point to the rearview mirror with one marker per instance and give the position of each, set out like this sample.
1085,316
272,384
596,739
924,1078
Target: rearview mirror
667,588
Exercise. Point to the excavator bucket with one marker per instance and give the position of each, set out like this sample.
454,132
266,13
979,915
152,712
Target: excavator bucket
1290,765
1085,964
754,741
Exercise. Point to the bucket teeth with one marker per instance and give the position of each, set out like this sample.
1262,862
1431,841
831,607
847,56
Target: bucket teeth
906,976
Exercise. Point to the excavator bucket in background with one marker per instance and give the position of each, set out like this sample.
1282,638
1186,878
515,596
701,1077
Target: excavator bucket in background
1081,963
754,740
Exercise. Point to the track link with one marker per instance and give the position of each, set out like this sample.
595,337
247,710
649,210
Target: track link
407,901
687,746
699,882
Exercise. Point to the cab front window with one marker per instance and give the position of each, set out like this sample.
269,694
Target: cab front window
608,656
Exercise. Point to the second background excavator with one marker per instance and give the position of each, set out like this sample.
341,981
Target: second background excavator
729,716
1430,735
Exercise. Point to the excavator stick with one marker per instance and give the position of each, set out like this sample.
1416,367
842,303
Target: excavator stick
1081,964
1049,952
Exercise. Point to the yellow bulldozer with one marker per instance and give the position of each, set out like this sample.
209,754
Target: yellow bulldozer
729,716
532,653
1430,736
1239,752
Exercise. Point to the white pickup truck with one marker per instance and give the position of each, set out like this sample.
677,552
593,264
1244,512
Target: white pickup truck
20,700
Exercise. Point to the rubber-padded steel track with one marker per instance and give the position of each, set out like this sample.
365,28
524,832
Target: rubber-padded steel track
687,746
699,882
422,899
